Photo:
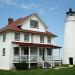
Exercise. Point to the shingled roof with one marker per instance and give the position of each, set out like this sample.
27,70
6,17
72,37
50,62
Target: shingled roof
13,27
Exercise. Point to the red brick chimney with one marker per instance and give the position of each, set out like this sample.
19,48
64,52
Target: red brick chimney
10,20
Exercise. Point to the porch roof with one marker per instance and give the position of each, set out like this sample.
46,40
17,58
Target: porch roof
36,45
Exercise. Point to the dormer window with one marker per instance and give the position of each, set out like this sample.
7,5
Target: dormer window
19,26
34,24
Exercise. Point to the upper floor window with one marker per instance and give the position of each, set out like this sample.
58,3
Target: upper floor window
17,36
4,37
3,52
49,39
33,23
41,39
26,37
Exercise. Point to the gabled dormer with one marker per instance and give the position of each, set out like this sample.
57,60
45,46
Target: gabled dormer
33,23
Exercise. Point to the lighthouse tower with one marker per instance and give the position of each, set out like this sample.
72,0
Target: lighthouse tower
69,38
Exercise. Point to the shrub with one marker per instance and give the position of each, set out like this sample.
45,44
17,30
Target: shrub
57,64
65,65
21,66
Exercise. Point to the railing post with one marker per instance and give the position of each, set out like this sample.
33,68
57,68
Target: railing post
20,54
29,56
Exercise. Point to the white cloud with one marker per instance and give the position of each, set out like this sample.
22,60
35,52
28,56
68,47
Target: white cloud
37,7
14,3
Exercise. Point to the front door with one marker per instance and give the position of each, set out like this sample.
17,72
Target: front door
71,61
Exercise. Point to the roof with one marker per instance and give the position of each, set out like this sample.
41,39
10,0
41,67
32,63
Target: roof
13,27
70,12
36,45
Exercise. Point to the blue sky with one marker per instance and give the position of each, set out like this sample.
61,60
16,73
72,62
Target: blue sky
51,11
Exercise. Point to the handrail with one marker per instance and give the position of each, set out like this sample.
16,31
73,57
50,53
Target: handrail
41,62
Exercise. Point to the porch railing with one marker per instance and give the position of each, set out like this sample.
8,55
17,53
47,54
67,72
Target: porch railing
53,58
25,58
34,58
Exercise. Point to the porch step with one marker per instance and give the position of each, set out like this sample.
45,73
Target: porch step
47,65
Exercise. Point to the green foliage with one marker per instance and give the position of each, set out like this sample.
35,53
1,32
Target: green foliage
57,64
65,65
21,66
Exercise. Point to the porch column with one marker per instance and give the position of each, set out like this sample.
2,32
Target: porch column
52,58
29,56
38,53
59,58
20,54
45,54
38,56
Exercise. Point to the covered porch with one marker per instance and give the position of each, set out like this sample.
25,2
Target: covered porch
35,53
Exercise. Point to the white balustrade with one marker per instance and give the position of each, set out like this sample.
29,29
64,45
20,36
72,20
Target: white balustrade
25,58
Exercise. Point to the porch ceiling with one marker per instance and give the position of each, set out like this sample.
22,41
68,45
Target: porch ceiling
36,45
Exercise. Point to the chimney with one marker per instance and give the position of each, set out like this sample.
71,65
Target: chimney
10,20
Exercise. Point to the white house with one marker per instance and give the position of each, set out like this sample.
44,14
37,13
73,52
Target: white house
27,40
69,38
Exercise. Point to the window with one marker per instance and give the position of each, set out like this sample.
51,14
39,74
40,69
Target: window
4,37
16,50
41,39
3,52
33,24
17,36
49,40
49,51
26,37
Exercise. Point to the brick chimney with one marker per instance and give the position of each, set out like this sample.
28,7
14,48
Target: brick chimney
10,20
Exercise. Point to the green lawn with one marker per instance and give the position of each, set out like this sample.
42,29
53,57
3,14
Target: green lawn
67,71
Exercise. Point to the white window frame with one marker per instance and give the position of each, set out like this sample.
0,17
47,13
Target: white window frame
4,37
33,24
17,36
41,39
26,37
49,40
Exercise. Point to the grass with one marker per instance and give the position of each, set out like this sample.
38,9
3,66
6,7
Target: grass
65,71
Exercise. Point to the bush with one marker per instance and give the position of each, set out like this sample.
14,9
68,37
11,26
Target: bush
57,64
21,66
65,65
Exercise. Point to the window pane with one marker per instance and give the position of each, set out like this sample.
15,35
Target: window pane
4,37
49,40
26,37
33,24
3,52
17,36
49,51
41,39
16,50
